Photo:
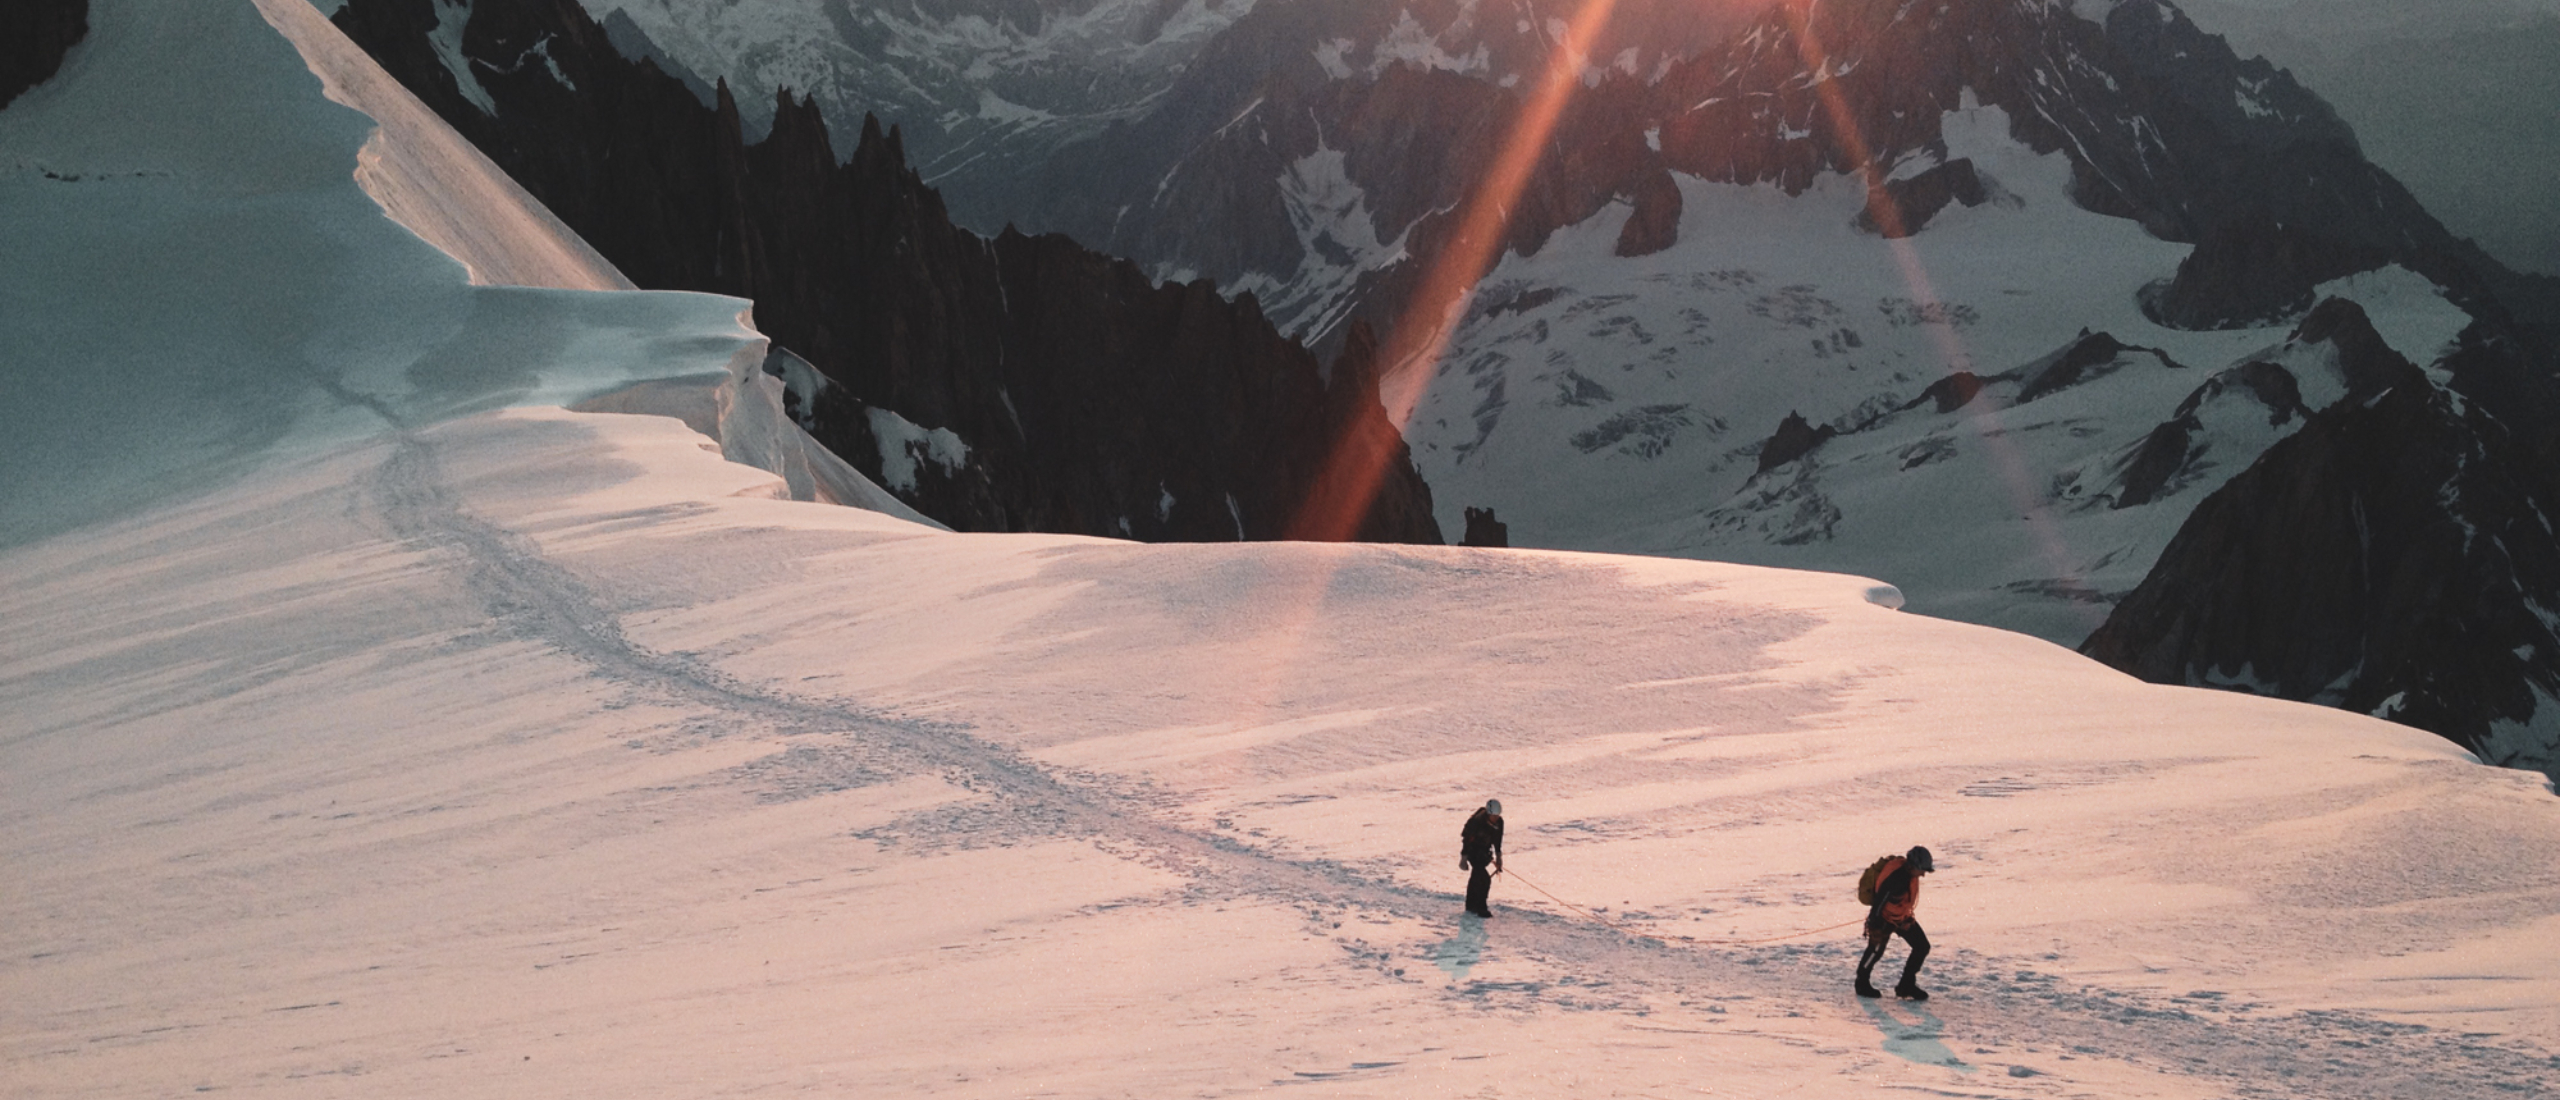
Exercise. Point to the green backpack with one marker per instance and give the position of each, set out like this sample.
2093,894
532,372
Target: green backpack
1874,873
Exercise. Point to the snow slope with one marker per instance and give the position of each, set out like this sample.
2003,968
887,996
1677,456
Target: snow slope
435,183
530,754
446,742
196,282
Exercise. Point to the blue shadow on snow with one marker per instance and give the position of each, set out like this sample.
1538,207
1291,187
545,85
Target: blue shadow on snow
1459,953
1917,1041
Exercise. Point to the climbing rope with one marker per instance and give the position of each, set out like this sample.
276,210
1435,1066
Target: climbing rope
1625,931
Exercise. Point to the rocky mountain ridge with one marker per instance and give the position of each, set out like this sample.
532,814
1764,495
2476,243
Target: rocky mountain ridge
988,92
2162,122
34,36
1018,383
2395,556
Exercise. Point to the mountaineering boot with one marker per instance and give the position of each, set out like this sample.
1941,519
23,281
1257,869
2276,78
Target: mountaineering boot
1910,991
1867,988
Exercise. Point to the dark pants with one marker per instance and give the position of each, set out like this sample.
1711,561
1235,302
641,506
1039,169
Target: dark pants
1479,883
1878,935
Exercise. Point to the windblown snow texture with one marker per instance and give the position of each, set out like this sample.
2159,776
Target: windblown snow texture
606,778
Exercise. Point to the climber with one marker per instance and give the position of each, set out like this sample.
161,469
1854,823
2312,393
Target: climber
1480,853
1897,895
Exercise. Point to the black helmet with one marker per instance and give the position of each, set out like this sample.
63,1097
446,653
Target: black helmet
1919,860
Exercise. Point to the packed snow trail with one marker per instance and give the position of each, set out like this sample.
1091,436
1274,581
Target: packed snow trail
543,754
1988,1008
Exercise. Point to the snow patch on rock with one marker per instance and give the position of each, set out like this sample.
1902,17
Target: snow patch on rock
904,446
1409,43
2410,311
1338,244
451,15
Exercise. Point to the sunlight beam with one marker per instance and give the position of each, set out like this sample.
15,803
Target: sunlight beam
1352,474
1887,218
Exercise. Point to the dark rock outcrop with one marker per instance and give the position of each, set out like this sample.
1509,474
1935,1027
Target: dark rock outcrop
2248,274
2089,356
1021,383
2171,448
634,43
1794,439
1484,530
1955,391
1655,223
34,37
2395,556
1902,207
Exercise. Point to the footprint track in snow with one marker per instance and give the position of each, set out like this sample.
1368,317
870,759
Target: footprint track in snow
1991,1010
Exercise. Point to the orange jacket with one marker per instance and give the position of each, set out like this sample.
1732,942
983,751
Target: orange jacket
1896,908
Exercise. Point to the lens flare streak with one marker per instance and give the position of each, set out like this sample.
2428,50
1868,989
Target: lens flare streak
1886,215
1431,317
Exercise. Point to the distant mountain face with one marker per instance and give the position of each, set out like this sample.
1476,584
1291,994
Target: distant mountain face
987,91
1018,383
1310,183
1300,150
2396,555
983,90
2456,98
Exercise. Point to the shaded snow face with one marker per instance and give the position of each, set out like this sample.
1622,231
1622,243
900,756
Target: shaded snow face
196,282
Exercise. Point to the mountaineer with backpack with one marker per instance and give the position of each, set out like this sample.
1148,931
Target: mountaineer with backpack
1891,890
1480,854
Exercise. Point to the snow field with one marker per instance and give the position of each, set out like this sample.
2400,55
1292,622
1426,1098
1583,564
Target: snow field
547,756
438,741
